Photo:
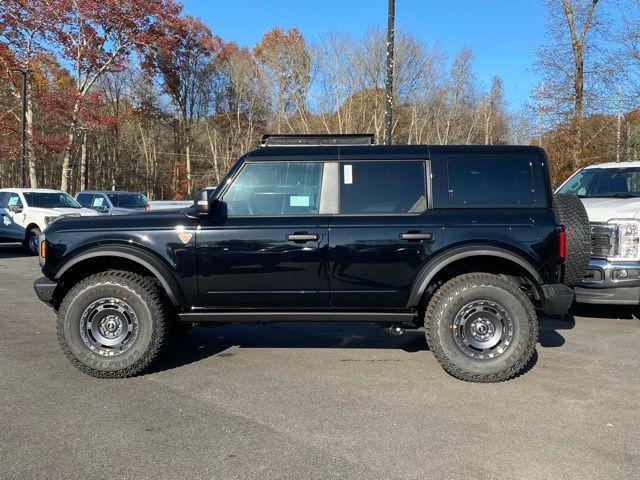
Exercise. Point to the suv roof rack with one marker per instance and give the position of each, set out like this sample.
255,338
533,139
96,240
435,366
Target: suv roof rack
289,140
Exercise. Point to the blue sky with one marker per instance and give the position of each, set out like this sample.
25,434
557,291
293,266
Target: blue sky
503,33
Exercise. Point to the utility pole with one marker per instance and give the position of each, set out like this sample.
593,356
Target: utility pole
541,114
619,129
23,127
388,114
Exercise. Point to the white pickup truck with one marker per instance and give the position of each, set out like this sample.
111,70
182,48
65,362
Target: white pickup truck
610,193
26,212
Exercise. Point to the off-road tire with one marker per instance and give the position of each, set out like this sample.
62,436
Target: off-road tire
28,243
153,323
446,304
571,213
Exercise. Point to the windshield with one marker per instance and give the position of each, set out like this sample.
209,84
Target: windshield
50,200
604,182
129,200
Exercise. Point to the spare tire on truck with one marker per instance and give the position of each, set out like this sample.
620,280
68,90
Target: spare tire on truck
571,213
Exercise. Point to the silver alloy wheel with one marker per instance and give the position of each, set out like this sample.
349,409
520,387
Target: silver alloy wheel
483,329
109,326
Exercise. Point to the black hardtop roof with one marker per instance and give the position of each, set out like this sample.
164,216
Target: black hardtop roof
373,152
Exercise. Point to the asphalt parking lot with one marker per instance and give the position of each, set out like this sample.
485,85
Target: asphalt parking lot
297,401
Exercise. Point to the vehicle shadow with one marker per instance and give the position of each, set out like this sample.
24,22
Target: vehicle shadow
201,343
618,312
549,335
12,250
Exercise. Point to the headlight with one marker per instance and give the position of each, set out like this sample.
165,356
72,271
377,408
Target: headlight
625,240
49,220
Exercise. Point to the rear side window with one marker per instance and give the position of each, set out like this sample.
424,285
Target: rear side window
383,187
482,181
84,199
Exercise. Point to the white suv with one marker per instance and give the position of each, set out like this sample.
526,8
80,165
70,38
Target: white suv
26,212
610,193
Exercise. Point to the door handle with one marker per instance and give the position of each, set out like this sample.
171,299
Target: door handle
416,236
302,237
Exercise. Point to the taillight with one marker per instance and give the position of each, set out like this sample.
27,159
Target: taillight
562,242
147,207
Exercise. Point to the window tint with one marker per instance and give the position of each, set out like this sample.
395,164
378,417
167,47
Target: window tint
113,198
50,200
382,187
84,199
131,200
275,188
477,181
3,197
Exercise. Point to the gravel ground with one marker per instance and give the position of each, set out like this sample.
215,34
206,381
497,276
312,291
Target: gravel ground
298,401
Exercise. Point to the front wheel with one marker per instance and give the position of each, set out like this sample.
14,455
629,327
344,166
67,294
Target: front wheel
31,242
113,324
481,328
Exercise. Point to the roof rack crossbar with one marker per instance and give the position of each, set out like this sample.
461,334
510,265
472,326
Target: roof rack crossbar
290,140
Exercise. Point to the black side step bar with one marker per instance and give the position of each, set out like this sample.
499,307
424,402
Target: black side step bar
259,317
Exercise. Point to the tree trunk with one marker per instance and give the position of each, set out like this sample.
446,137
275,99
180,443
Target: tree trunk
187,150
31,156
83,163
66,160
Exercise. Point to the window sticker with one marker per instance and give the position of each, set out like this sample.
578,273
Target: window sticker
299,201
98,201
348,174
13,201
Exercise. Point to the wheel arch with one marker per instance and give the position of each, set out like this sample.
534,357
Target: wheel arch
468,253
30,226
128,255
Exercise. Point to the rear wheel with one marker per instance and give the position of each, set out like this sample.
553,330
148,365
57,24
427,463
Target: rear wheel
113,324
481,328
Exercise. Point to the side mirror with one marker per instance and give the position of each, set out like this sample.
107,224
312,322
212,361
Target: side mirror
201,203
15,208
103,209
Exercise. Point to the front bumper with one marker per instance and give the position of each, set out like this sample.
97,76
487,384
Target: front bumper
605,283
45,288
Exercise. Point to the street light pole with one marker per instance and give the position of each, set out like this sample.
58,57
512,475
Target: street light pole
388,115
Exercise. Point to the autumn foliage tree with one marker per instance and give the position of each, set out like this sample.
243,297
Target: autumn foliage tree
286,61
95,37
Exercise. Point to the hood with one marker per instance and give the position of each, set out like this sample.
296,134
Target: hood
125,223
64,211
605,209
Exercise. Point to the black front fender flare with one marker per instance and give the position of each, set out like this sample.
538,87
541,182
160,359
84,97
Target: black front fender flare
432,268
137,255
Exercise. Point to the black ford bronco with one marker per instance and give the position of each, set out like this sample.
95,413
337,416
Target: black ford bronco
466,241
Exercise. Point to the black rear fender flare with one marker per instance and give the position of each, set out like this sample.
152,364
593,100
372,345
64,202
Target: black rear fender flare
429,271
139,256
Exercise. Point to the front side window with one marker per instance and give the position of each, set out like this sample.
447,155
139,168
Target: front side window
99,202
486,181
50,200
130,200
275,188
13,200
382,187
604,182
84,199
